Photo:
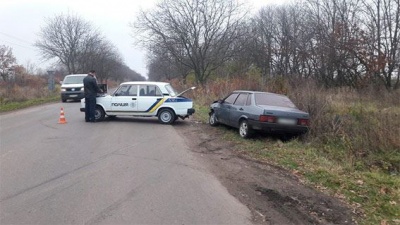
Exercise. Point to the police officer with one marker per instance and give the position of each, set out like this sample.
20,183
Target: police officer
91,90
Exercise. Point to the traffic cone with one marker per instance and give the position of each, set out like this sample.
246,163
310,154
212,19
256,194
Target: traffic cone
62,117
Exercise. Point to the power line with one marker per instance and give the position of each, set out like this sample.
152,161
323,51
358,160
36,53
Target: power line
16,38
17,44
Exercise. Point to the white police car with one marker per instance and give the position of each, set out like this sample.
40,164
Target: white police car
141,98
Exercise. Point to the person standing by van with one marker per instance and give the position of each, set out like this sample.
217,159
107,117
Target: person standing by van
91,90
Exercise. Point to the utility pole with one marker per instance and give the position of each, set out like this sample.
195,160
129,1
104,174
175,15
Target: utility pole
51,80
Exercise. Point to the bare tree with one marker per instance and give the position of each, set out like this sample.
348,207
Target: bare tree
336,24
125,73
104,57
282,41
198,34
67,38
7,62
290,40
163,66
337,42
381,55
260,40
80,48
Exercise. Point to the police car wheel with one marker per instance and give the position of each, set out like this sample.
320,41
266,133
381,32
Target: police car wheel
166,116
99,114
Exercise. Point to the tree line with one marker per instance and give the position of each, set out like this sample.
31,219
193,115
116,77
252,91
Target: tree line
335,42
77,48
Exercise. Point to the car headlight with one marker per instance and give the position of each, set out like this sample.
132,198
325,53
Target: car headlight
63,89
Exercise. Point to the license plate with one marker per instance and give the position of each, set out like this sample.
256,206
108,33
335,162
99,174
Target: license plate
287,121
73,96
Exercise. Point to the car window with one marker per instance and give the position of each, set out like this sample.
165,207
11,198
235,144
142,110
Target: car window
241,99
231,98
273,100
149,90
158,92
248,101
123,90
132,90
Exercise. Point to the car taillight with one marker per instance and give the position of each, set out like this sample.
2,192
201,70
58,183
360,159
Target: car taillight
303,122
269,119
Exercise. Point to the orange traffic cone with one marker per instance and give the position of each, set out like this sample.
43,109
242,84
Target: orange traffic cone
62,117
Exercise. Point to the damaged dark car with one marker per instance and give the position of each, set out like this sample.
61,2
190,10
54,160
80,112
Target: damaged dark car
252,111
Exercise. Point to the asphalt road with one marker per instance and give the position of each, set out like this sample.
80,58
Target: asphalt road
123,171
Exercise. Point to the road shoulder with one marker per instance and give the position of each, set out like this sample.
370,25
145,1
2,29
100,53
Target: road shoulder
274,195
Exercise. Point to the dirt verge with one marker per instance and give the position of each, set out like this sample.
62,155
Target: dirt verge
274,195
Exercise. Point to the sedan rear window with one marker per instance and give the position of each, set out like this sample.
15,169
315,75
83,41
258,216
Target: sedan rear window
273,100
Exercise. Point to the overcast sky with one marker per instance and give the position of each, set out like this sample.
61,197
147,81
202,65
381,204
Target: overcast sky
21,21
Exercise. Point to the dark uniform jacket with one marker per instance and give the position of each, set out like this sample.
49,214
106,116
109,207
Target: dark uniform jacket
90,85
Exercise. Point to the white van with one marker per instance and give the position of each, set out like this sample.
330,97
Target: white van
72,87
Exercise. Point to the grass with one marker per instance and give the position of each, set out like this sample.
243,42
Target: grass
201,112
10,106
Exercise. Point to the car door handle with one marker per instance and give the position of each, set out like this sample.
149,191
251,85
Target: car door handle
133,98
241,109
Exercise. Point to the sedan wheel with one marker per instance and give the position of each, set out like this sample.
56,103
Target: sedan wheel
213,119
166,116
244,129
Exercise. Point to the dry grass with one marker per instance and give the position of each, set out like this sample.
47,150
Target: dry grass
362,128
24,91
23,88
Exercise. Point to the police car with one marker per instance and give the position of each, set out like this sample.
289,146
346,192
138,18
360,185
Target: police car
141,98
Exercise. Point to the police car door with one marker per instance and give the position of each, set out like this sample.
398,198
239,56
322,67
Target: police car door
124,101
149,99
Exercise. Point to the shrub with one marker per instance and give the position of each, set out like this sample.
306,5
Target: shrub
356,127
23,88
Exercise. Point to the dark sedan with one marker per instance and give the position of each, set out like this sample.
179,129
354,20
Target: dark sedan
264,111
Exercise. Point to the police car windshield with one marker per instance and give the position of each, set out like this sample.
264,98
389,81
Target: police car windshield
74,80
171,90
